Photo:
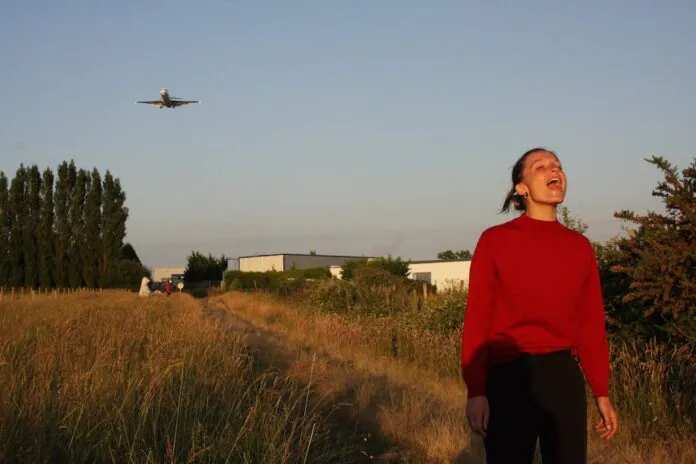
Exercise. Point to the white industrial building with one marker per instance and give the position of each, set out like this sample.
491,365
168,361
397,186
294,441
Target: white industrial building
443,274
284,262
160,274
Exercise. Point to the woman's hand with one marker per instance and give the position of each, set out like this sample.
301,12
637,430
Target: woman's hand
608,423
477,414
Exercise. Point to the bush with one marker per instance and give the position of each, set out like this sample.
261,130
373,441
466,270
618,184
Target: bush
287,282
649,277
395,266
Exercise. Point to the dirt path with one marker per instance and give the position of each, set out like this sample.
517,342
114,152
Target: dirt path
278,354
363,406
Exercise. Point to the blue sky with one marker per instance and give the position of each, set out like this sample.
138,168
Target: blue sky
346,127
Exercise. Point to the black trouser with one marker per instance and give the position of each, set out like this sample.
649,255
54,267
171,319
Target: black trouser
537,396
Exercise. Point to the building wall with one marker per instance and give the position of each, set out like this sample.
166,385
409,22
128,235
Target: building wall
261,263
285,262
162,273
336,271
310,261
443,274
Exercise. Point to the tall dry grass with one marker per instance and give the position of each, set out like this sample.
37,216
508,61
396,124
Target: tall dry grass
115,378
412,377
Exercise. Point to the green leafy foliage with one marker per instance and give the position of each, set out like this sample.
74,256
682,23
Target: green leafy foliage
200,267
395,266
64,232
655,265
449,255
348,267
45,233
5,224
31,226
17,220
572,222
287,282
77,230
62,226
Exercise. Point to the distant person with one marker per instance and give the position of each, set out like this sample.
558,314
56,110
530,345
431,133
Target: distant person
534,324
144,287
168,287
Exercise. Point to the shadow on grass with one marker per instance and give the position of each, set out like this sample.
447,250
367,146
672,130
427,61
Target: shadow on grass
358,428
357,432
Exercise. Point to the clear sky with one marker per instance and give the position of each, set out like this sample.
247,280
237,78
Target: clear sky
346,127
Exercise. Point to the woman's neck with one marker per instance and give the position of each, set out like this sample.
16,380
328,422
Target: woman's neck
542,212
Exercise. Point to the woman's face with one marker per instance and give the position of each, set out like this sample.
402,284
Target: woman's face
543,179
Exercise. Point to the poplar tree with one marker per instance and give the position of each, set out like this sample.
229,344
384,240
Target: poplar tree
45,233
113,225
120,218
4,231
31,218
92,231
65,231
62,226
77,204
16,209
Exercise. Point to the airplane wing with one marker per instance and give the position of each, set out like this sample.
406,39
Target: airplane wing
151,102
183,102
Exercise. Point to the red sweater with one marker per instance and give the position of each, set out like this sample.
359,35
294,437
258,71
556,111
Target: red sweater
533,288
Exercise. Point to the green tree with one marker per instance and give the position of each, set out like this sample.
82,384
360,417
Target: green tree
200,267
31,225
395,266
45,234
17,210
92,231
449,255
62,226
113,233
4,231
572,222
658,259
109,251
349,267
128,253
77,229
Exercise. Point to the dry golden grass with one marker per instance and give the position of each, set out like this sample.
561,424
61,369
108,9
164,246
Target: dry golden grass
111,377
406,383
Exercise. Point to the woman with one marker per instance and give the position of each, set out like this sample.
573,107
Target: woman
534,325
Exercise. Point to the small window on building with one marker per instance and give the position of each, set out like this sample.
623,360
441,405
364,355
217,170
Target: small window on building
424,276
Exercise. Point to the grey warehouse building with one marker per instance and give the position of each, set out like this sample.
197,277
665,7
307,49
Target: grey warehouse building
284,262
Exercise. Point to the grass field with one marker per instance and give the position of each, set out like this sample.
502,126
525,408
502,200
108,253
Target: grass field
408,381
110,377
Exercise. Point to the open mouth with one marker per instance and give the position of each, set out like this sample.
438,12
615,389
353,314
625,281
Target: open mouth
554,183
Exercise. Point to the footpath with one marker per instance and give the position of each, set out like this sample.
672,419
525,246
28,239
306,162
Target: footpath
338,392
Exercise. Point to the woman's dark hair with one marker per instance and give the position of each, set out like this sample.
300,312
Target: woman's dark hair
517,171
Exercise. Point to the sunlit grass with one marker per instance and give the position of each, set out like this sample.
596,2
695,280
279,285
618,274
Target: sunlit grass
116,378
412,378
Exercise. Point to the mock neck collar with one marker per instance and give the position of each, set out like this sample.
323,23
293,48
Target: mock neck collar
539,225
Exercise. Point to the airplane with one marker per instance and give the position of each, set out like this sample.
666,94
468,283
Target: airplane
166,100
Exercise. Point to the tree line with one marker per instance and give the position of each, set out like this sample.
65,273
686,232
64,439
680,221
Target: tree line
65,230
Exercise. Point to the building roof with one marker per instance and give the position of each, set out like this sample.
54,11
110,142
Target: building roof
429,261
305,254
